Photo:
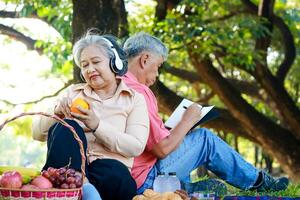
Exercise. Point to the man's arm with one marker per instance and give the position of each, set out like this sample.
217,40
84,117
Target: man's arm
171,142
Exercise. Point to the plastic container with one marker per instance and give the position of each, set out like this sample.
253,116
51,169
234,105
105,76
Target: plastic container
160,183
173,182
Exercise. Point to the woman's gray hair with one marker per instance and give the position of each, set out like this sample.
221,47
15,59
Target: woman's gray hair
88,39
142,41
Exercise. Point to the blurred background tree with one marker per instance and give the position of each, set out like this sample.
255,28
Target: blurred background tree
240,56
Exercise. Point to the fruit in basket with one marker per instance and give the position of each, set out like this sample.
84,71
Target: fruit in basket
41,182
64,178
11,179
29,187
79,102
24,171
26,179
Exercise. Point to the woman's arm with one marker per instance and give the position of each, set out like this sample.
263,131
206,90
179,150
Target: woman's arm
41,124
132,142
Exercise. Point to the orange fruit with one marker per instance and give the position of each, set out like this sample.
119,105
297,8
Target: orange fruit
79,102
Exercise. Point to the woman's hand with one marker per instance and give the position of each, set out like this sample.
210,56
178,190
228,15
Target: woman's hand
88,117
62,109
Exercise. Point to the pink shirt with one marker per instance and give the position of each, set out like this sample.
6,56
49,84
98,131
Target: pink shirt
143,163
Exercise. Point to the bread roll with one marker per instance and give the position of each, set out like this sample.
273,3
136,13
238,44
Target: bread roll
170,196
139,197
150,193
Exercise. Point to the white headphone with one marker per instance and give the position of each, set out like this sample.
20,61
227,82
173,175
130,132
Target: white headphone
116,64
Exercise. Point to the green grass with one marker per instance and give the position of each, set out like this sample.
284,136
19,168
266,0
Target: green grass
293,190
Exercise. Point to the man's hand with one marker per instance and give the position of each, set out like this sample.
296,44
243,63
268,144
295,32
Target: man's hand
88,117
192,114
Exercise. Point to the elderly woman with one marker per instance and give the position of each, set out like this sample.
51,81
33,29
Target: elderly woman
114,129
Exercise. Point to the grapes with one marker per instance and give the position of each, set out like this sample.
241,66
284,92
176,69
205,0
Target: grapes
64,178
70,180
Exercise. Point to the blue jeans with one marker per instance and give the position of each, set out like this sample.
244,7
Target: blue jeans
202,147
89,192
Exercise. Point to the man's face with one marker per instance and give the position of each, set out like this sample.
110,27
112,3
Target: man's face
152,63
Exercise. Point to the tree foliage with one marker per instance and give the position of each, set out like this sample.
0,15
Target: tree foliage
240,55
245,55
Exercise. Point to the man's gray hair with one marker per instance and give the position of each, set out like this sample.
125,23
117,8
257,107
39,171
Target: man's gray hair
87,40
142,41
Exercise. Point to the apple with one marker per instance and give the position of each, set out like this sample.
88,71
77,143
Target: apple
29,187
11,179
41,182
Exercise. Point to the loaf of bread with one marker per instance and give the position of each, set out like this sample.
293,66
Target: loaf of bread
152,195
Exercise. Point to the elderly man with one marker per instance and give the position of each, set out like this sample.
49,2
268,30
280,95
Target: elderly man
181,150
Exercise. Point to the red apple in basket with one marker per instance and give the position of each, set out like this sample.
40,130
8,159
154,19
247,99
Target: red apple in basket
41,182
29,187
11,179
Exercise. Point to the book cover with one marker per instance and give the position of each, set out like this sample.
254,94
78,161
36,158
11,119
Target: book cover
207,114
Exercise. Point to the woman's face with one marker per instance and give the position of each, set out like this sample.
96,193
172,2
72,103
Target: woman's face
94,64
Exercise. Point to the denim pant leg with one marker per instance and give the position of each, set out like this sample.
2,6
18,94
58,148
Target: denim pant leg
202,147
90,192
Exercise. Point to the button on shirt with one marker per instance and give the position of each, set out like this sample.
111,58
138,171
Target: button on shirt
143,163
123,128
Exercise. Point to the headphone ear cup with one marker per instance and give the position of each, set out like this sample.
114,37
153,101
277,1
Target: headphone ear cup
124,69
112,65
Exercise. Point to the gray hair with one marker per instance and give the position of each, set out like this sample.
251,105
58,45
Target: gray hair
142,41
91,39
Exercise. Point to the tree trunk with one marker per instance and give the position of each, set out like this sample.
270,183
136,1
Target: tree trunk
268,162
278,141
108,16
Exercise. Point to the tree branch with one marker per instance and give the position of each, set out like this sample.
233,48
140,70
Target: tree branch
287,38
289,48
14,34
222,18
38,100
9,14
248,88
225,122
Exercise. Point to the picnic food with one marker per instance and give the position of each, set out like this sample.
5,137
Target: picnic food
31,192
26,179
152,195
11,179
79,102
41,182
64,178
24,171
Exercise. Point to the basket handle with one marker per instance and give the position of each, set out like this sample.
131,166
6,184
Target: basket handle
63,123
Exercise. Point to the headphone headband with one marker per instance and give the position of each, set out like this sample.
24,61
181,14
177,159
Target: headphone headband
117,61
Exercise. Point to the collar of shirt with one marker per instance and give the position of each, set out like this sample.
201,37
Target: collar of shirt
131,77
122,87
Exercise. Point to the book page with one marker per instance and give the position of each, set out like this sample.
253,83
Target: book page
178,112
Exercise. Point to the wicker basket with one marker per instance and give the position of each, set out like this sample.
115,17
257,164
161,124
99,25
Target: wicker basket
49,194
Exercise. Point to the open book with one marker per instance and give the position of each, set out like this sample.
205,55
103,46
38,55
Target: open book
207,114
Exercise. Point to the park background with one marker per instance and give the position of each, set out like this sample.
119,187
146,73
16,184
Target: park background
241,56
